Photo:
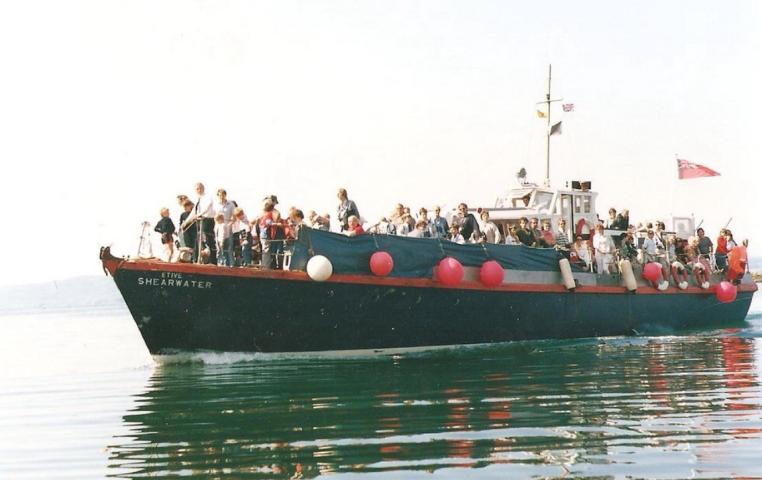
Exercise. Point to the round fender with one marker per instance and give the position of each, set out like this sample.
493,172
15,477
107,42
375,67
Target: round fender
319,268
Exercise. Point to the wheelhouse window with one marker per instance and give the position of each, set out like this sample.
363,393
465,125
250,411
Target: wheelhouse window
543,199
586,203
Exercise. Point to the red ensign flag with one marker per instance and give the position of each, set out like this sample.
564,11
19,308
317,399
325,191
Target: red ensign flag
686,169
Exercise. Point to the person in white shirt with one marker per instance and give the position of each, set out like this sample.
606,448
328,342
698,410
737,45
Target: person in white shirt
653,251
203,217
223,206
455,235
489,229
510,237
222,241
649,247
420,230
604,248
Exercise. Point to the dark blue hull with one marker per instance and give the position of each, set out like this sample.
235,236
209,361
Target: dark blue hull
209,310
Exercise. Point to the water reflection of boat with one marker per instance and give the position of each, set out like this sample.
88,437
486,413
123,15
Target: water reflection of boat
525,408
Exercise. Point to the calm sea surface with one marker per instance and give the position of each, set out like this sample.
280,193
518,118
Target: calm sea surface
80,397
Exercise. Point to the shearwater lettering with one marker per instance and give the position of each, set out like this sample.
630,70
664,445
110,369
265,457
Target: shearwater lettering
178,283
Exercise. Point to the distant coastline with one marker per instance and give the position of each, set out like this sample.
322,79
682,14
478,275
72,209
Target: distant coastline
757,276
90,293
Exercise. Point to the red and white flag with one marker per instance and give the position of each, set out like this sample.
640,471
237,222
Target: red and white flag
568,107
686,170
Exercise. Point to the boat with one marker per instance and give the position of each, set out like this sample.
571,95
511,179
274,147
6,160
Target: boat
387,293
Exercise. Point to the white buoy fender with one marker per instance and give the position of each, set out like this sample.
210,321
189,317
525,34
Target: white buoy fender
625,266
566,274
319,268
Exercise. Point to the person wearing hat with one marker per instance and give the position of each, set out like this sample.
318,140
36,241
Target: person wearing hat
346,209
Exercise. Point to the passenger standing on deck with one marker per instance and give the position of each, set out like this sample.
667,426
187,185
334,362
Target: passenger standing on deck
604,249
295,222
580,253
511,238
629,250
721,253
181,199
353,227
202,218
534,228
241,234
429,230
562,241
264,223
611,221
187,234
440,223
489,229
730,244
346,209
524,234
165,227
396,216
659,236
548,238
222,239
455,235
705,245
277,234
469,227
224,206
649,248
624,219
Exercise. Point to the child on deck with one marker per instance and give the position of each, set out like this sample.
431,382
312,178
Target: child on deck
165,227
222,239
455,235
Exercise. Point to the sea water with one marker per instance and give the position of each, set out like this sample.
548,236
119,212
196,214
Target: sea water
80,397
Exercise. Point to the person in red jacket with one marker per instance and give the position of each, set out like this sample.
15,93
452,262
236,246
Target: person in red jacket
721,252
353,227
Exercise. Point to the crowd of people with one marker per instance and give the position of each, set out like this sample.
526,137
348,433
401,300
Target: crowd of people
218,231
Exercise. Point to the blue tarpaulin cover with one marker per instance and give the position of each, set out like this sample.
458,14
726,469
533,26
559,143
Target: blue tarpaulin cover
413,257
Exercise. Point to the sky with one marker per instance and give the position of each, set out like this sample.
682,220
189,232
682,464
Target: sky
109,109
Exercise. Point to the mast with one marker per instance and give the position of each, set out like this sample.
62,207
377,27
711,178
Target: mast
547,103
547,138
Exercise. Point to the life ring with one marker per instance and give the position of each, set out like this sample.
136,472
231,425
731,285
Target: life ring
580,227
